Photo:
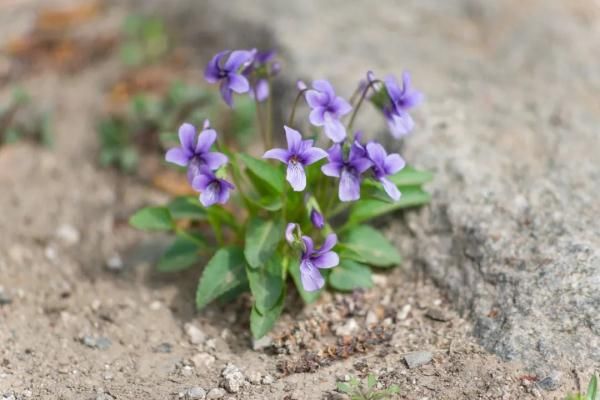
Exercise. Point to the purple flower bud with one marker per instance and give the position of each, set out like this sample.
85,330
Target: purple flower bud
327,109
299,154
301,85
195,153
314,259
289,233
317,219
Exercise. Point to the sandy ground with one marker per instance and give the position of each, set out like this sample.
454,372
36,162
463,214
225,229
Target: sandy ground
71,328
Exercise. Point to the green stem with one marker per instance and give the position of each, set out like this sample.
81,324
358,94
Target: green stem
296,101
269,114
261,125
360,101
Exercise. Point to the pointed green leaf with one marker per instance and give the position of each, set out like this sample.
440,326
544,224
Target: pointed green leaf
350,275
266,283
262,238
224,271
294,270
152,218
343,387
261,324
366,245
409,176
182,254
367,209
187,207
271,174
592,392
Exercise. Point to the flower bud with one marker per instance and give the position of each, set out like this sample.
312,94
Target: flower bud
317,219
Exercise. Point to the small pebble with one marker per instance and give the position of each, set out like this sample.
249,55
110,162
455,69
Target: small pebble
203,360
437,315
371,318
551,382
347,329
268,380
67,234
403,313
164,347
187,370
195,335
196,393
233,378
417,358
254,377
262,343
216,393
100,342
114,263
5,298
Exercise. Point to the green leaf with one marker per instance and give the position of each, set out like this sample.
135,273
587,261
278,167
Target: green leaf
366,245
262,238
343,387
592,392
152,218
350,275
224,271
410,176
367,209
262,323
271,174
182,254
187,207
294,270
371,381
266,283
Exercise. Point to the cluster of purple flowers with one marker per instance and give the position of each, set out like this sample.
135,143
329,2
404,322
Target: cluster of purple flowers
242,71
348,160
194,153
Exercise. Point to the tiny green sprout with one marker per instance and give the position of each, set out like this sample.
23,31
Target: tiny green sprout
21,119
357,391
592,391
145,40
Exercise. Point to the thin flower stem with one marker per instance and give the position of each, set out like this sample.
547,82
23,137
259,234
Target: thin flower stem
269,113
293,113
360,101
261,125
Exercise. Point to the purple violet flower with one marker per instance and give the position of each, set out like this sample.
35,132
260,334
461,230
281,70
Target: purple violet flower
349,171
314,259
228,74
327,109
299,154
385,165
316,218
400,101
196,154
212,190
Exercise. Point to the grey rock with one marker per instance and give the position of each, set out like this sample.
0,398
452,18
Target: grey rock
347,329
215,394
114,263
233,378
195,392
254,377
512,232
417,358
203,360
